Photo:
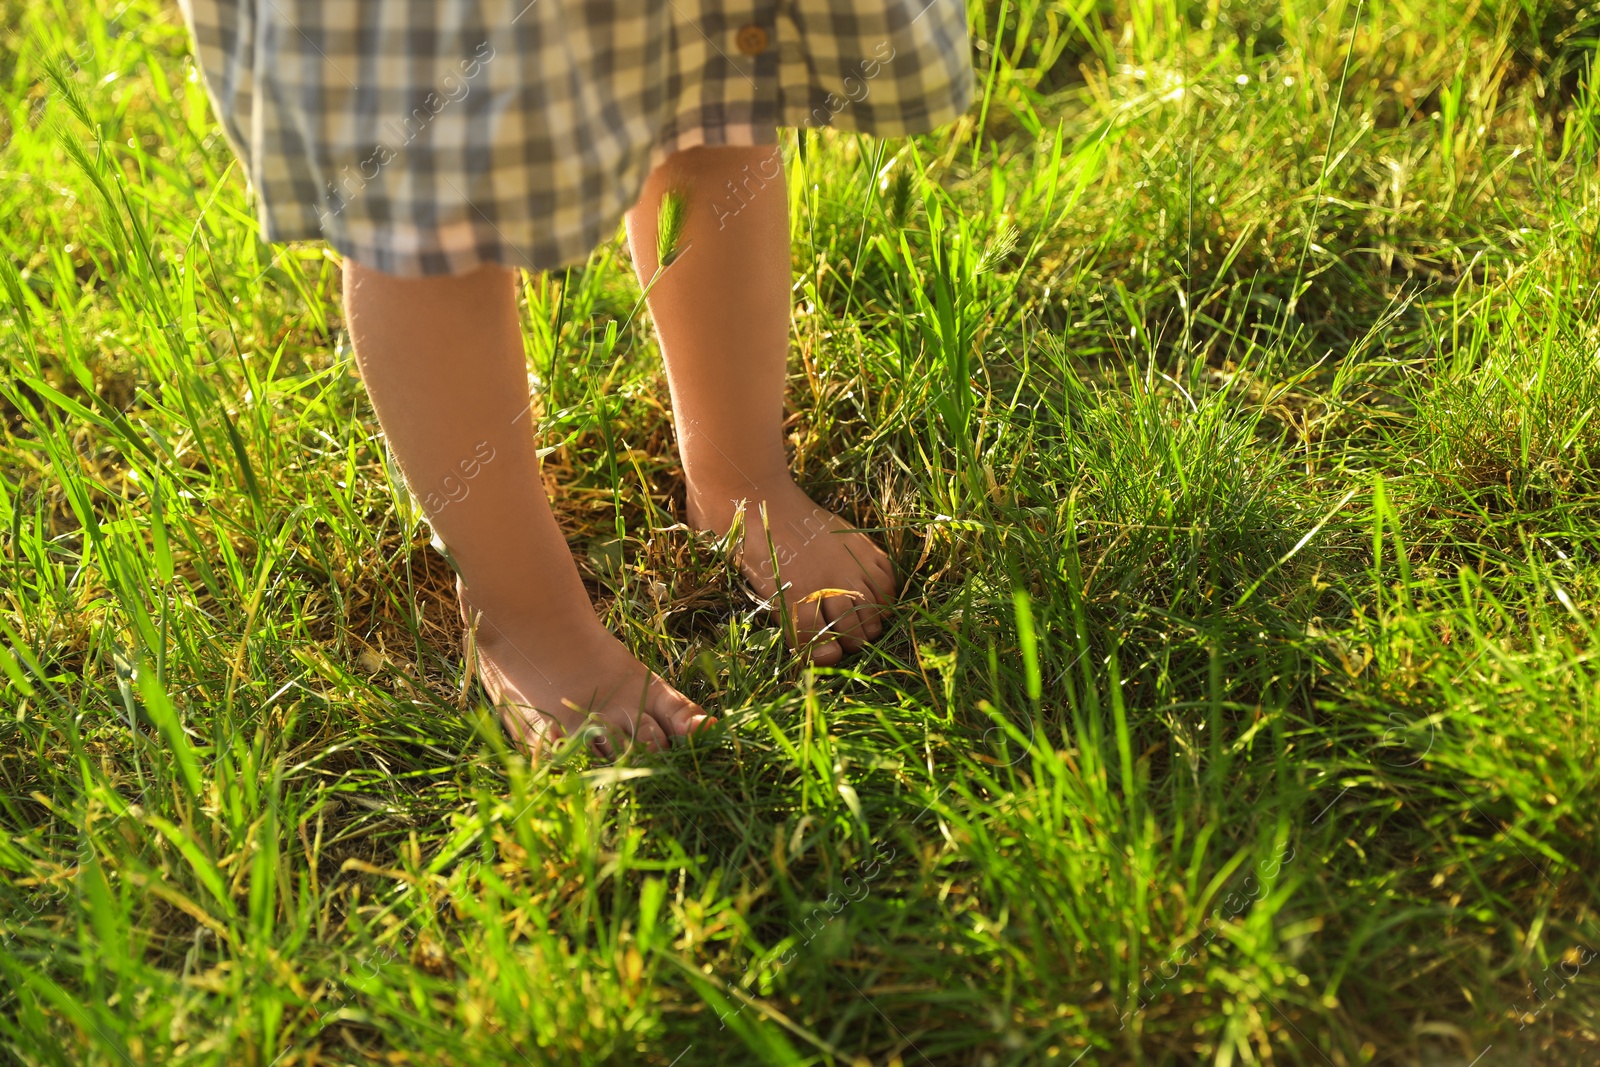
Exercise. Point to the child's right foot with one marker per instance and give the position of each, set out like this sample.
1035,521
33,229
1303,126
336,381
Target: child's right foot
567,674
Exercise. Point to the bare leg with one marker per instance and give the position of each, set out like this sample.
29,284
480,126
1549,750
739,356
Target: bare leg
722,311
442,359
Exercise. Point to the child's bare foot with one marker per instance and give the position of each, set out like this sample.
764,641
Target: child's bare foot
564,673
721,305
444,362
835,580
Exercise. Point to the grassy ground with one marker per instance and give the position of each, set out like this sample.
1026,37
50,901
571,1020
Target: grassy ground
1226,385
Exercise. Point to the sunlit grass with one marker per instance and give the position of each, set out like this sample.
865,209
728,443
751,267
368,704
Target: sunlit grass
1225,388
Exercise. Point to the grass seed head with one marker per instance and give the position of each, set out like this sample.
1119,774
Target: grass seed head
669,226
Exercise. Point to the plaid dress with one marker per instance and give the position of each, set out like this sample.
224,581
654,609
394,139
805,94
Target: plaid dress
430,136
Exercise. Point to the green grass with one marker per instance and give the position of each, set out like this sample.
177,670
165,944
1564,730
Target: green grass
1225,385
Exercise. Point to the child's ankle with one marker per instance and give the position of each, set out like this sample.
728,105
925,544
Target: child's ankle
715,507
546,619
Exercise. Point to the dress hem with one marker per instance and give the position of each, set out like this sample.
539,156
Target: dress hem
490,244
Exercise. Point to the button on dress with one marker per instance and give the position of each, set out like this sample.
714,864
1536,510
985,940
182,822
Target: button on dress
431,136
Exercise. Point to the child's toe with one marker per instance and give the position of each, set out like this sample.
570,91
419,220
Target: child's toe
843,621
871,622
674,713
826,653
604,739
882,578
809,619
648,735
531,731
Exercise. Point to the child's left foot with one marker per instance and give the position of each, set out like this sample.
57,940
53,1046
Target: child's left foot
835,580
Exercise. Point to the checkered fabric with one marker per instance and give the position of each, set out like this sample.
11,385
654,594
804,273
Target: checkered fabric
430,136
